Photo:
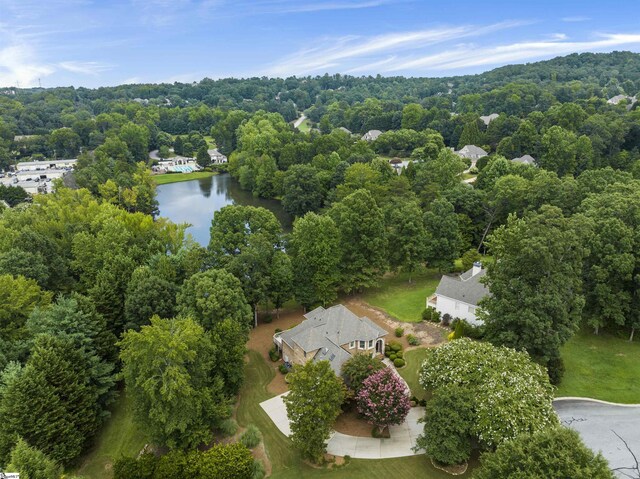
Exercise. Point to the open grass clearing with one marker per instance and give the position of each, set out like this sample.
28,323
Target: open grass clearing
602,367
411,371
120,436
177,177
402,299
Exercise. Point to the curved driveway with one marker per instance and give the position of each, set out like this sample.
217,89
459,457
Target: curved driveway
400,444
598,422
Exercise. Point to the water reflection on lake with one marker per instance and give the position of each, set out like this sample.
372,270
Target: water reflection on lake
195,201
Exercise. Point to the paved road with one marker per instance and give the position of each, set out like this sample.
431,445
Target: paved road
598,423
400,444
299,121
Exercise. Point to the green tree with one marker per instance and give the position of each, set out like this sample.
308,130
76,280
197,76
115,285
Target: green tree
229,339
213,296
31,265
406,235
442,245
169,371
360,224
55,382
137,139
302,190
13,195
148,295
383,399
31,463
315,256
313,404
231,461
500,381
202,157
18,297
65,143
448,422
553,452
536,282
471,135
358,368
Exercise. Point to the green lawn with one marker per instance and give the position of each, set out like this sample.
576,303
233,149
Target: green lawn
601,367
304,127
176,177
401,299
414,359
119,437
285,462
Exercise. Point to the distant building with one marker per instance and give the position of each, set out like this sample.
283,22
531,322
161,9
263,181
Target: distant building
371,135
489,118
471,152
631,100
347,131
526,160
39,175
397,164
46,165
458,296
217,157
333,334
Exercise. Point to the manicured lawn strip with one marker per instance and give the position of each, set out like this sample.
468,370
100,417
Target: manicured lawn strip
119,437
304,127
411,371
284,460
403,300
601,367
177,177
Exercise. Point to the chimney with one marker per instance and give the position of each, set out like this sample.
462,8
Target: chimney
477,267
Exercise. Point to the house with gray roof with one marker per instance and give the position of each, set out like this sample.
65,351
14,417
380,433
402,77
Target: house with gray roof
371,135
471,152
458,296
489,118
334,334
525,160
346,130
217,157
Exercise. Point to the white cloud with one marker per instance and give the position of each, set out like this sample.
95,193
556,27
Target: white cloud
473,56
19,66
337,52
85,68
577,18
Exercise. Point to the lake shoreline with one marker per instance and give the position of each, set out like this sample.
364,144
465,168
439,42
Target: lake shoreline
169,178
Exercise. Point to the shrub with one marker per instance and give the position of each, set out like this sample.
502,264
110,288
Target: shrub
387,351
446,319
278,330
399,354
274,354
228,427
399,332
555,368
283,369
399,362
131,468
469,258
393,356
413,340
431,314
258,471
358,368
395,346
251,437
267,319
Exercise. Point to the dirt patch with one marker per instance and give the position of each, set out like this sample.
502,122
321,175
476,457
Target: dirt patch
430,334
352,424
261,338
278,385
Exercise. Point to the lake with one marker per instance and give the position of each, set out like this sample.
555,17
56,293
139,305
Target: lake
195,201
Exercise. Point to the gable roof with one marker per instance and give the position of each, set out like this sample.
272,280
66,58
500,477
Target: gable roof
489,118
471,150
526,160
371,135
466,287
327,330
346,130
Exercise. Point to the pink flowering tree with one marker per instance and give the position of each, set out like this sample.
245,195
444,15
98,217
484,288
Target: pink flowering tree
384,399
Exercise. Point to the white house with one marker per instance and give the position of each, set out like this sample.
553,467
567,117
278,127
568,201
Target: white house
371,135
458,296
217,157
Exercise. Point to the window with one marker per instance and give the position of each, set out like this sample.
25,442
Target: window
370,343
362,344
352,344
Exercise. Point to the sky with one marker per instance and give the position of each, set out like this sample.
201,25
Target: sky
96,43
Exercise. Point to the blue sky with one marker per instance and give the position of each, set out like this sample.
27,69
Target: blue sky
110,42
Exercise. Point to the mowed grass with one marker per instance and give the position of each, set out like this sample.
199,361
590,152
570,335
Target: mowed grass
403,300
305,126
411,371
177,177
601,367
119,437
284,460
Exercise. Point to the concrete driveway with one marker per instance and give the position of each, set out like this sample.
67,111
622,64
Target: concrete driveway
400,444
598,423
